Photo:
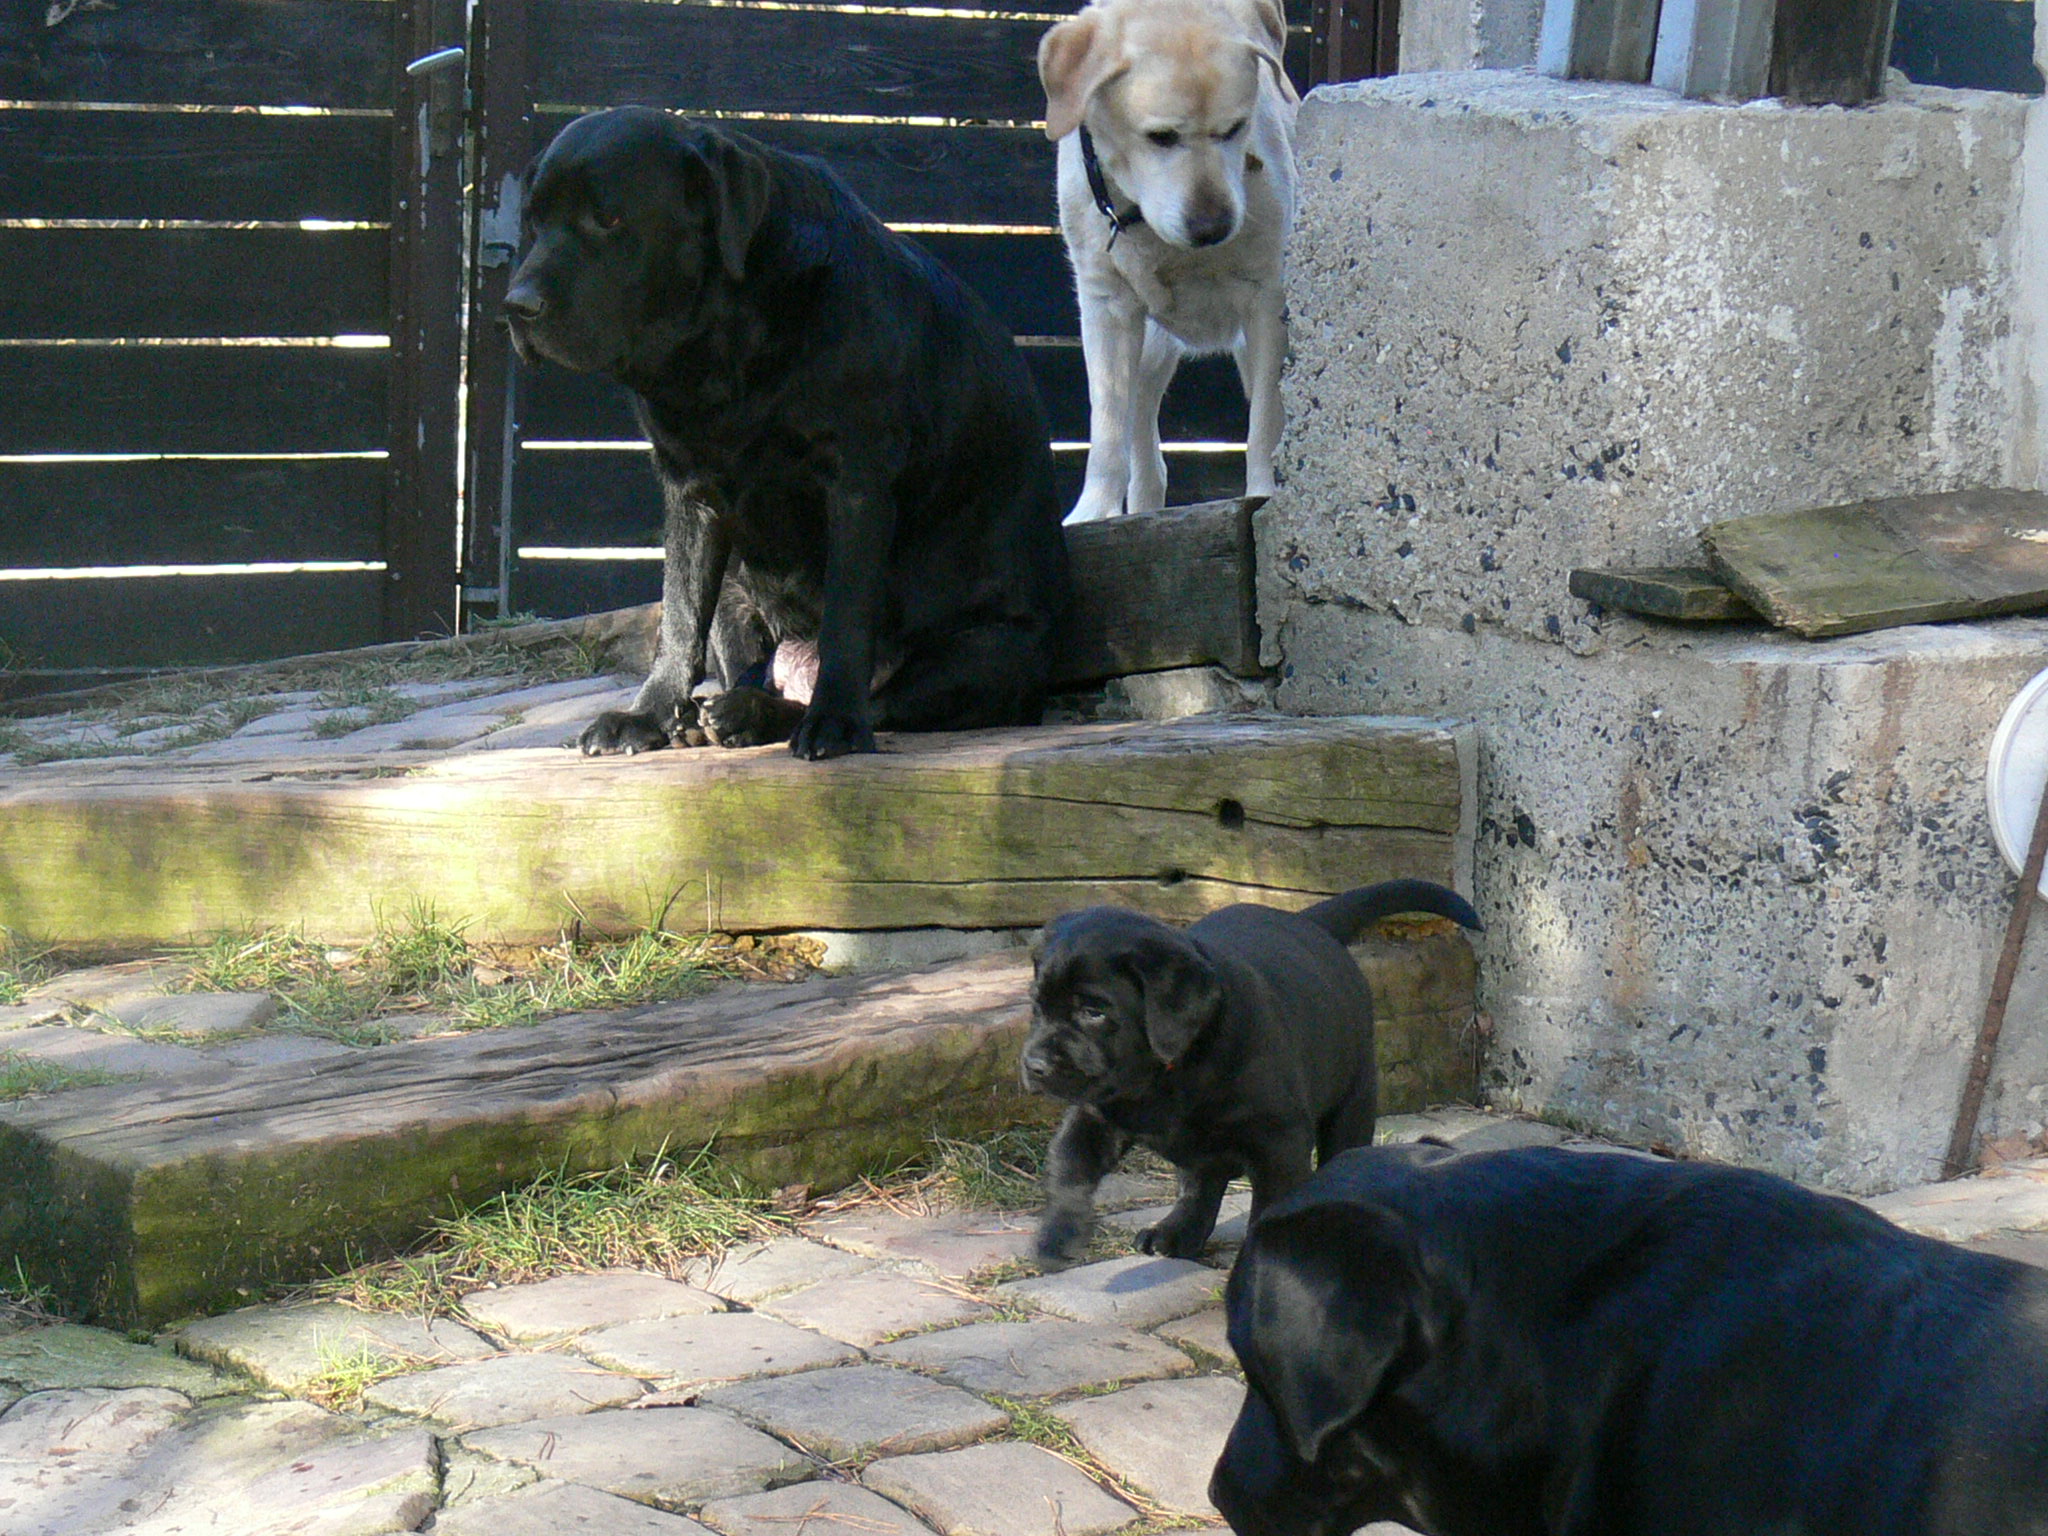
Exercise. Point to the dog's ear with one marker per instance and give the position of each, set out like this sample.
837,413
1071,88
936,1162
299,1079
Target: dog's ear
1269,43
1182,994
1077,58
740,183
1324,1300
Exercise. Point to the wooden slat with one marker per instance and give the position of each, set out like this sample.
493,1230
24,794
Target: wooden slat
596,53
587,499
980,829
1191,478
1904,560
194,282
1985,45
203,165
1831,51
918,175
190,511
1171,590
565,589
314,53
191,399
188,620
1025,279
1692,594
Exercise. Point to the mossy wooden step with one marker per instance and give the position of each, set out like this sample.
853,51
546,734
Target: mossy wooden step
974,830
138,1203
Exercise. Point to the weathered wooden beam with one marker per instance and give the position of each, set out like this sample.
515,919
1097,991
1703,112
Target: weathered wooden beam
1689,593
979,829
140,1206
1903,560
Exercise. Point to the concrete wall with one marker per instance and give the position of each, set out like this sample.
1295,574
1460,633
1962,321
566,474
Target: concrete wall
1741,888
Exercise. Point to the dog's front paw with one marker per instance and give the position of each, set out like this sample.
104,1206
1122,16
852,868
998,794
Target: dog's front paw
622,732
1170,1239
1061,1243
831,733
747,717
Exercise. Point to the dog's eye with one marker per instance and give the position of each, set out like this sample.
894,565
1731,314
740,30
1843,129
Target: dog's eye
1233,130
1165,138
606,220
1089,1016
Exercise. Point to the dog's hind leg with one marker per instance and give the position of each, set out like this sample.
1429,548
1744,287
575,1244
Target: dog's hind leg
1351,1123
1184,1231
1156,365
988,675
1084,1150
1259,355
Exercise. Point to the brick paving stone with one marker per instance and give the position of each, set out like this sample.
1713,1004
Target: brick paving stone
60,1355
666,1456
107,987
92,1050
276,1050
198,1013
2015,1200
956,1244
1231,1218
483,1393
285,1347
1005,1489
2027,1247
753,1273
1207,1330
684,1353
881,1304
562,1509
93,1462
548,1309
860,1410
1162,1437
1136,1291
812,1509
1036,1359
468,1476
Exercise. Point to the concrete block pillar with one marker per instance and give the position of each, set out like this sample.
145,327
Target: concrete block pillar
1741,891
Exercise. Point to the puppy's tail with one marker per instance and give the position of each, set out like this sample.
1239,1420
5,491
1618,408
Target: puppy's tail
1345,916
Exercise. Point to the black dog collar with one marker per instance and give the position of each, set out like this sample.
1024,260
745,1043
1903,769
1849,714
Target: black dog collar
1098,188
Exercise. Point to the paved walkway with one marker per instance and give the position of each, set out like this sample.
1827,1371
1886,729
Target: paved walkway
881,1373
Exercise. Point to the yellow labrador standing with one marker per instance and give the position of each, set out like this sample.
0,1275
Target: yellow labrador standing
1175,122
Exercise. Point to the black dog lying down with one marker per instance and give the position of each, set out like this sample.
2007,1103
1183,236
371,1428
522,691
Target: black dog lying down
1242,1044
1587,1344
847,441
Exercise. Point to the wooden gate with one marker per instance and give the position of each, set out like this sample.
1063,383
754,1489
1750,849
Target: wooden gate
930,111
226,350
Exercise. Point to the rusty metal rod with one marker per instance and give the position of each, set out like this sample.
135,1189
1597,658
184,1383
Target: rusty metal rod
1962,1139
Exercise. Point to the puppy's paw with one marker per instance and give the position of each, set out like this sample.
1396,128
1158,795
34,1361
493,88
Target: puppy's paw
747,717
1061,1243
622,732
1173,1240
831,733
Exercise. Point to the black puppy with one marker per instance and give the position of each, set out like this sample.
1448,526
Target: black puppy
840,429
1242,1044
1594,1344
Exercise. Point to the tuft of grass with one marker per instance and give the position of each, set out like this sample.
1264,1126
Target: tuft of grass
422,954
22,965
360,708
1004,1173
662,1215
345,1371
651,966
23,1077
24,1304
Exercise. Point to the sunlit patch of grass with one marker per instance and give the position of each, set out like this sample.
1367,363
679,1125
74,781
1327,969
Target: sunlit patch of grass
645,968
24,1304
345,1371
23,1077
22,965
662,1215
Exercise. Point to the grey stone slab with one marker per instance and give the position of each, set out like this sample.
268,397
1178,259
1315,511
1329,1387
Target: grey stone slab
2015,1200
65,1355
108,987
666,1456
562,1509
276,1050
955,1245
547,1309
860,1410
903,949
881,1304
1231,1217
484,1393
812,1509
1162,1438
1041,1358
198,1013
93,1050
753,1273
286,1347
1136,1291
1207,1331
2027,1247
1005,1489
242,1468
1134,1186
684,1353
22,1015
429,730
470,1477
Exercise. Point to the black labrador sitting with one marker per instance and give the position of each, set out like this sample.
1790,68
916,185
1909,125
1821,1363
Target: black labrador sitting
1596,1344
848,444
1242,1044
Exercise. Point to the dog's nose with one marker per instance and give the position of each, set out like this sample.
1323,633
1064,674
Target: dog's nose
1035,1065
525,304
1210,226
